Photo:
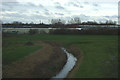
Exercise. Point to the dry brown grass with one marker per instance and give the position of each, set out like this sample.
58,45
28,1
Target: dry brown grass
44,63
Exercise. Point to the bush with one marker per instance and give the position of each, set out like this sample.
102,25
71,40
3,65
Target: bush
91,31
29,43
42,32
63,31
33,31
7,34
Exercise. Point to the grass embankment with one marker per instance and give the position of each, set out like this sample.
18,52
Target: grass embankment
100,52
13,53
14,49
21,62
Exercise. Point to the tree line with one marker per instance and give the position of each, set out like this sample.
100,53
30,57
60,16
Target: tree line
75,20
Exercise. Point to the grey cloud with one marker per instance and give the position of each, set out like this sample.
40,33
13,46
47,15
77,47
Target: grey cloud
15,6
17,15
47,13
114,16
57,3
3,10
86,3
82,16
97,18
10,5
59,13
22,9
59,7
87,18
75,5
106,16
72,4
41,6
9,1
31,4
37,16
46,10
94,4
28,5
102,19
37,11
81,7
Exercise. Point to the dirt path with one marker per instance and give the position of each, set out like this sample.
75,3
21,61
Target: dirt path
44,63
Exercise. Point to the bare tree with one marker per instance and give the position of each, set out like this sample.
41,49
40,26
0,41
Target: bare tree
53,21
110,22
57,21
31,23
71,21
16,22
75,20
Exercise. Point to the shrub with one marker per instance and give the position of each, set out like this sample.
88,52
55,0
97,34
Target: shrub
42,32
33,31
29,43
91,31
63,31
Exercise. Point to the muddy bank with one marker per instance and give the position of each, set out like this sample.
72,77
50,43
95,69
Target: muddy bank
76,52
70,63
44,63
79,55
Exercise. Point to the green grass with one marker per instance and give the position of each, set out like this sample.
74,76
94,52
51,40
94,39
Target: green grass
96,56
14,50
14,53
98,52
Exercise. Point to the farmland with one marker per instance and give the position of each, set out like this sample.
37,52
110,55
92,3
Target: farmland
100,52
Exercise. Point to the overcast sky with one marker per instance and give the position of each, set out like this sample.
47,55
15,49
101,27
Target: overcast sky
45,10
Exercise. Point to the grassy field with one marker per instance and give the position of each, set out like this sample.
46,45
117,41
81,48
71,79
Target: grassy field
14,50
100,51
